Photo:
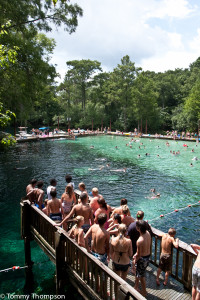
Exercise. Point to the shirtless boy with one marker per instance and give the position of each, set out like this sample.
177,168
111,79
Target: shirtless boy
81,209
165,258
141,258
100,239
30,190
54,207
39,194
196,274
94,201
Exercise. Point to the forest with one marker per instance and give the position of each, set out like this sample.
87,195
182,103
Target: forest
125,98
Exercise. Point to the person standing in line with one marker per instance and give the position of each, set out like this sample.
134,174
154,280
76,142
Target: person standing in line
141,258
52,185
196,274
121,251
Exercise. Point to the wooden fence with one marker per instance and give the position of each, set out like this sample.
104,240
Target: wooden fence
91,277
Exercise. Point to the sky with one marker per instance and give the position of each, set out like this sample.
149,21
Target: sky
158,35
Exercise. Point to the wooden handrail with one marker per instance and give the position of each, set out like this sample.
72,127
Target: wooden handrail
86,267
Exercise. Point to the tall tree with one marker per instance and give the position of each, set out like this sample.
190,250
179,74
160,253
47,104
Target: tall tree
81,72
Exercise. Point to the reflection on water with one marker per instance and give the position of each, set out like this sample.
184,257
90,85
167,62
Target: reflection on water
171,175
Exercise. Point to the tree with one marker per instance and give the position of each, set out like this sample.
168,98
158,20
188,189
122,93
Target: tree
192,107
120,85
39,14
80,73
144,102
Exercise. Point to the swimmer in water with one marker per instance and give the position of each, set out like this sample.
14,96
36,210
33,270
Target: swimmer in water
147,154
191,165
119,170
91,147
20,168
195,158
192,150
116,147
138,156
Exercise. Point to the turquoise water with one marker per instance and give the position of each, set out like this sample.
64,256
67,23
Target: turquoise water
171,175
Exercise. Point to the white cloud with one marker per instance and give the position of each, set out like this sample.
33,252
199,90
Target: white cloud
110,29
170,8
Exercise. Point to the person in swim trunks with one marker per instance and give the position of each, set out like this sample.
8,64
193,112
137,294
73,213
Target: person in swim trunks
54,207
121,251
165,258
196,274
100,239
141,258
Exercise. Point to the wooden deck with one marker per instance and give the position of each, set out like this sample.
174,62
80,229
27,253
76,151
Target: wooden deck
84,271
173,291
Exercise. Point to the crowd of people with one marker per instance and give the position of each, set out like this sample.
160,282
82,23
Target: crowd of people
109,233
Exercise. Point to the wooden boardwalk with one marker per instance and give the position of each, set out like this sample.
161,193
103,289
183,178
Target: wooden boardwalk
173,291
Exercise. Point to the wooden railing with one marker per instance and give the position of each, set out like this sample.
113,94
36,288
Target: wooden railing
182,261
90,276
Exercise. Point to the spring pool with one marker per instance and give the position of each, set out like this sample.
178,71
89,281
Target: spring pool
171,176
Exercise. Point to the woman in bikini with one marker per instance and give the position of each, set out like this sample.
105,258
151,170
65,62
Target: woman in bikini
121,251
67,201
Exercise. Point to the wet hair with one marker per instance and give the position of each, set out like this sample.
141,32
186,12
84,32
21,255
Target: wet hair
83,197
69,190
125,209
118,218
122,230
141,225
172,231
68,178
102,218
40,184
102,203
78,219
53,193
33,181
140,215
123,201
53,182
82,185
95,191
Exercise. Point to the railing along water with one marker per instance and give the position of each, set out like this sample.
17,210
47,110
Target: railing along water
86,272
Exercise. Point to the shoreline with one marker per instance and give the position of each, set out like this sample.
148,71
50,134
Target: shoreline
78,135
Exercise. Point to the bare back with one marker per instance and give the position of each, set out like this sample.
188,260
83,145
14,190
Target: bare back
121,250
85,211
144,244
166,244
100,239
53,206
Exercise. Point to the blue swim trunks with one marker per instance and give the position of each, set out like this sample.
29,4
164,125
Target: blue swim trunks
101,257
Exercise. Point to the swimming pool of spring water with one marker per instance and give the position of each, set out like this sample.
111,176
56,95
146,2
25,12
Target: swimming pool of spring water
98,162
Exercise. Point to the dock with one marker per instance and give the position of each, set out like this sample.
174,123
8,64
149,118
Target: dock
91,278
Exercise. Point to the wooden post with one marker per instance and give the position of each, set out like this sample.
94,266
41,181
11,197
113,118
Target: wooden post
60,260
27,232
187,270
26,235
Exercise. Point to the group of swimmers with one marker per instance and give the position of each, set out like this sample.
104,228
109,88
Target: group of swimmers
104,231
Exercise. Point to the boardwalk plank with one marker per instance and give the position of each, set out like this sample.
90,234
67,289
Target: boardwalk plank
173,291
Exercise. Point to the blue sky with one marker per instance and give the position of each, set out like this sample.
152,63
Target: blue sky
158,35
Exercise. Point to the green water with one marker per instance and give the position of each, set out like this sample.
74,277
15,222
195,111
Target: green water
171,175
